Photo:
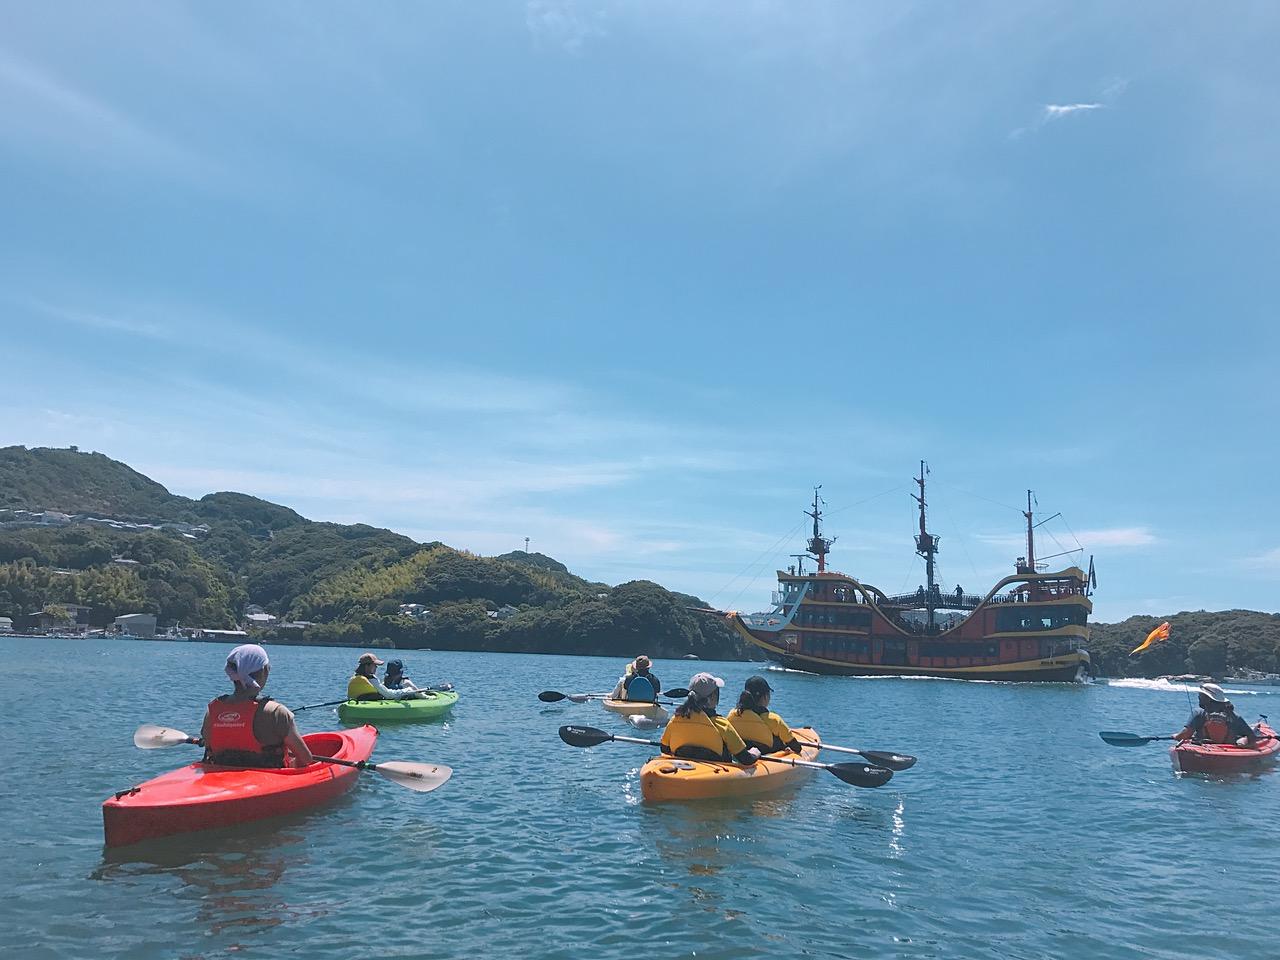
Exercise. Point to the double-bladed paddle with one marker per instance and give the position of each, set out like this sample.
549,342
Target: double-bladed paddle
1119,739
890,761
439,688
555,696
422,777
857,774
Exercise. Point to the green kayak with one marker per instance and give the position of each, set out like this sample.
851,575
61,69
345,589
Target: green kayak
434,705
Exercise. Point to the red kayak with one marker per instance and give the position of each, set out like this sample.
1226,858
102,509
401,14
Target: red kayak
1225,757
204,796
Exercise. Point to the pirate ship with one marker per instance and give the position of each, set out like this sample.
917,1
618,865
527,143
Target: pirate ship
1032,625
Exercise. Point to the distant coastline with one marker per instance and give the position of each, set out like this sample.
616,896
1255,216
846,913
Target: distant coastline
86,540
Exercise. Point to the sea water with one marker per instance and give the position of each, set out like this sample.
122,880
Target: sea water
1018,834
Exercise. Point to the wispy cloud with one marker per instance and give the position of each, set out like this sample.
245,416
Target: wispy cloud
41,109
1055,111
1051,112
1118,537
1266,563
102,321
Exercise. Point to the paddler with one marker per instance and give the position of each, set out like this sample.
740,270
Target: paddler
241,729
697,732
756,725
637,683
394,677
365,685
1216,720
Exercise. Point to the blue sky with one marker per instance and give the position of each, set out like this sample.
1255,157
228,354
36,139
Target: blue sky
629,278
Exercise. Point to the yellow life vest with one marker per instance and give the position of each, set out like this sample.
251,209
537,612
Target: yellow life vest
359,688
760,729
712,734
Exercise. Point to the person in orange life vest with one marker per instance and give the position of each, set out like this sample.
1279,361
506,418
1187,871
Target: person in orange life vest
365,685
759,728
240,729
697,732
1216,720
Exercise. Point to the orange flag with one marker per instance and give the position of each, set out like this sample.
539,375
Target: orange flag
1155,636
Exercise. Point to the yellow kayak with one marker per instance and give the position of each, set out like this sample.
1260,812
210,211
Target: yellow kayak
655,711
671,778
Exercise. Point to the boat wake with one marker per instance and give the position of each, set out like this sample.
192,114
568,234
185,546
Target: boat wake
1140,683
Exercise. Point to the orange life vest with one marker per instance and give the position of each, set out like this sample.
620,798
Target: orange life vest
230,740
1216,728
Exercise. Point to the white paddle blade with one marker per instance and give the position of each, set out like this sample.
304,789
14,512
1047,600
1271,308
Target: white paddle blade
641,722
149,736
422,777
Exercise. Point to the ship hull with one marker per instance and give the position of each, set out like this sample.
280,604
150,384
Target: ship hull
1066,667
1071,668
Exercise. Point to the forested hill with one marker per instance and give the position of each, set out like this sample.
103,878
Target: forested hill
81,528
1216,644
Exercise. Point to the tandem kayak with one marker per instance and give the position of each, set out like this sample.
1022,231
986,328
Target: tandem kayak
671,778
205,796
1225,757
644,708
431,707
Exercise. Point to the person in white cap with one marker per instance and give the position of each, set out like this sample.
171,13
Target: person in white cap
241,729
697,732
365,685
1216,720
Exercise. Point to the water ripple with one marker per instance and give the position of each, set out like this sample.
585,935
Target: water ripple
1019,833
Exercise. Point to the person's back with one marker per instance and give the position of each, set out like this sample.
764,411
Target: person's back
697,732
756,724
245,732
242,729
360,687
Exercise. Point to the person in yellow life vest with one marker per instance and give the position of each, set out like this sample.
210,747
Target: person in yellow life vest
1216,721
365,685
241,729
759,728
697,732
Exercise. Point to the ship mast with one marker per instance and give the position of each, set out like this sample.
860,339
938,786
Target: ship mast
1031,536
926,545
818,544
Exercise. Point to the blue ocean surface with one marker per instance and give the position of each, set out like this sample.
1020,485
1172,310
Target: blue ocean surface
1019,834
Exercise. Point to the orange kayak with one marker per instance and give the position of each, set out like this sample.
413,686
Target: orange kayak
670,778
203,796
1225,757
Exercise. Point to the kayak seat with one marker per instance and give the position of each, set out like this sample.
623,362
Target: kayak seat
640,690
323,744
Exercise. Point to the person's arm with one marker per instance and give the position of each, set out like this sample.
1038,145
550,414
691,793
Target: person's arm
298,748
1245,735
1190,728
665,744
386,692
734,743
747,757
657,686
620,691
293,741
